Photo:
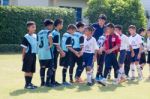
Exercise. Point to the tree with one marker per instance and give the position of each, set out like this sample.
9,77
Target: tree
123,12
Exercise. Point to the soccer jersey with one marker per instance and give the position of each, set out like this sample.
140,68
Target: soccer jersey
124,42
44,50
101,41
135,41
66,41
56,37
78,40
148,43
143,43
90,45
30,43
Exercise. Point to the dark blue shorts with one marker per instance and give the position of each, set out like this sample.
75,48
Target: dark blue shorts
111,60
135,58
122,56
88,59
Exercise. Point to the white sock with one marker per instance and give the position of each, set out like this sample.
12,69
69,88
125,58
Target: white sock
119,74
139,71
89,77
133,70
92,74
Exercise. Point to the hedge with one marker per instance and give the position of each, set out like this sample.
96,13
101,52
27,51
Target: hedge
10,48
13,20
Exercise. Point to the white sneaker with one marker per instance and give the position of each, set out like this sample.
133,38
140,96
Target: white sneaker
103,82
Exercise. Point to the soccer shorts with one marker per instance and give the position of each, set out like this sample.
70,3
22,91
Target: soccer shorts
64,61
29,63
88,59
122,56
49,63
100,59
135,58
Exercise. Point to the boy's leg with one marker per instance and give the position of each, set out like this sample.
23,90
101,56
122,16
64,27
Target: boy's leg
42,75
89,74
28,78
72,65
127,64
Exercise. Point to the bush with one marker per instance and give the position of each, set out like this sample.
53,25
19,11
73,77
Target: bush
124,12
10,48
13,20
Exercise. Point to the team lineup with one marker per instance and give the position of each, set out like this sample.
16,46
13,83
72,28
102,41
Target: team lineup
81,44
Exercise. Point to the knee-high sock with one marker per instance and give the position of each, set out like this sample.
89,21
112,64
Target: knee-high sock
64,71
42,75
89,76
71,73
49,75
133,70
139,71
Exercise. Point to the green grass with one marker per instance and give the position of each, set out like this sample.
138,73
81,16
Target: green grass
12,83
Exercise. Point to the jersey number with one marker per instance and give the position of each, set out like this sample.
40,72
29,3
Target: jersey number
41,43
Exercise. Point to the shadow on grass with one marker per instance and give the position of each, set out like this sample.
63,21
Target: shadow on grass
24,91
110,87
147,80
133,82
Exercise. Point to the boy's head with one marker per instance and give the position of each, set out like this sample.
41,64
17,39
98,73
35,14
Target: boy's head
110,28
49,24
88,31
132,29
118,29
142,31
80,26
31,26
71,28
58,24
102,19
148,32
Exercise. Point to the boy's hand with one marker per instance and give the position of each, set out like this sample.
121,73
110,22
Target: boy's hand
132,54
139,56
109,51
100,51
81,53
77,54
62,54
94,58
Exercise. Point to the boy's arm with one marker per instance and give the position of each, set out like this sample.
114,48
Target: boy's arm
56,43
23,53
50,39
24,45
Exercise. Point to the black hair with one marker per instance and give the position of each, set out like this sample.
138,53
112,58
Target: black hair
118,27
141,30
103,17
80,24
30,23
57,22
110,25
48,22
90,28
71,26
132,27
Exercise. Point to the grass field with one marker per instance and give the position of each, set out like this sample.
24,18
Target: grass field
12,83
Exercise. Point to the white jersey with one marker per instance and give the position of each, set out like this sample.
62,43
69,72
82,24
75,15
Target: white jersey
148,43
124,42
90,45
135,41
101,41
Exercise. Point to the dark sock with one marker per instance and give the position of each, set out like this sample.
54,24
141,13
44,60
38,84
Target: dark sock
64,71
71,74
30,79
42,75
53,77
97,74
27,80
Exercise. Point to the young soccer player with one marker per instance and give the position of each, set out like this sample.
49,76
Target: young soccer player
148,48
78,45
89,53
111,46
123,51
67,42
45,52
143,55
29,45
135,43
58,24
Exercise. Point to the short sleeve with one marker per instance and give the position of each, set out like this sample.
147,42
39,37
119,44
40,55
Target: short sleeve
68,41
118,41
81,40
24,43
56,40
95,45
140,40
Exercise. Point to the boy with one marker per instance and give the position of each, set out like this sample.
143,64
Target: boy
143,56
135,43
148,48
78,45
89,53
111,46
123,51
45,52
67,42
29,45
58,24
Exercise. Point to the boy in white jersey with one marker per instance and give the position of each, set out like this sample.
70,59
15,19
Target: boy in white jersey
135,43
148,48
123,51
89,53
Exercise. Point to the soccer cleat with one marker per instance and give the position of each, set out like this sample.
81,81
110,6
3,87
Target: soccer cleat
66,84
97,79
89,84
42,84
103,82
50,85
140,78
123,79
56,84
71,81
132,78
79,80
30,86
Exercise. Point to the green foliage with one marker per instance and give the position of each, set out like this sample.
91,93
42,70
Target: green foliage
13,20
10,48
124,12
